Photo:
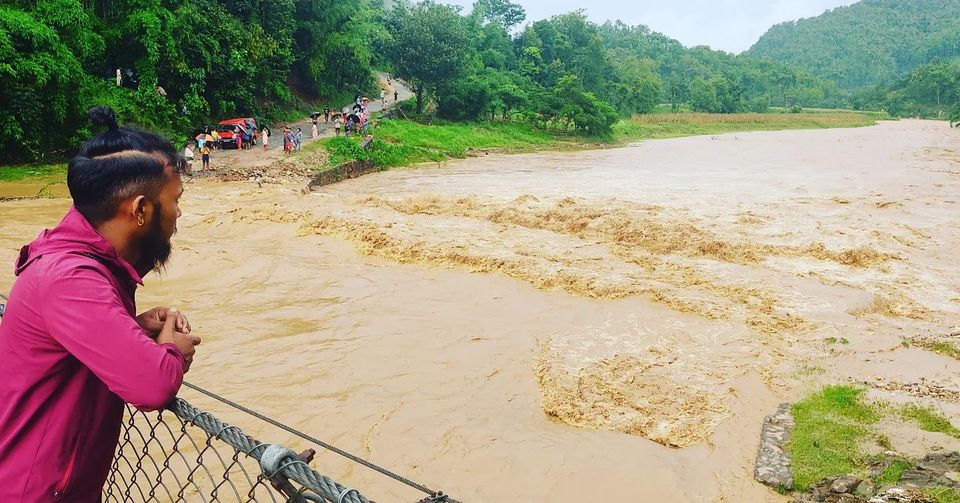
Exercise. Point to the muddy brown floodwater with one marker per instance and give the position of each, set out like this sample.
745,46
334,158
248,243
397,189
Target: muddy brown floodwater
603,325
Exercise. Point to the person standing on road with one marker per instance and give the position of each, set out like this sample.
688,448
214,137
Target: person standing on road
287,140
188,155
298,139
383,99
205,157
336,125
265,135
314,132
74,349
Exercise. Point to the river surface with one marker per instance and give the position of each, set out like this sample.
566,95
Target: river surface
601,325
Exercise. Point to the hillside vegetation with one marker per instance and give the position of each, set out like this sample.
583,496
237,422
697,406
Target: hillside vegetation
900,56
868,43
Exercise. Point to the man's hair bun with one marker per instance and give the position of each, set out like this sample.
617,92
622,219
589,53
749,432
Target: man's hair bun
103,116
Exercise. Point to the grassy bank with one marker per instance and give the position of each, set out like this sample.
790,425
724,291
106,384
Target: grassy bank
836,425
38,172
47,180
670,125
402,142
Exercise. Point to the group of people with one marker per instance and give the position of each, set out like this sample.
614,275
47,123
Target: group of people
356,120
293,141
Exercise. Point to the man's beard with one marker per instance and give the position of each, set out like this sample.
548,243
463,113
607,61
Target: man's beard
155,249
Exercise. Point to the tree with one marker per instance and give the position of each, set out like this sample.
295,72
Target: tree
703,96
955,114
40,76
581,109
501,12
677,92
638,86
931,83
431,48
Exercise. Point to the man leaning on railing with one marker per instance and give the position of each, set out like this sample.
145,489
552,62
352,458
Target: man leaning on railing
72,348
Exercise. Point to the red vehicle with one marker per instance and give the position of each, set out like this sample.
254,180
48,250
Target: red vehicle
228,131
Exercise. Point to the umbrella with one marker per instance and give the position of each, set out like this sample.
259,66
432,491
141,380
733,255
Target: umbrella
204,136
314,115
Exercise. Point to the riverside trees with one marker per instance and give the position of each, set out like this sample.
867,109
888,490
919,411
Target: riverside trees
182,64
185,63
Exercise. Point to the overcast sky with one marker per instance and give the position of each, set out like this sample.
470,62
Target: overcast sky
730,25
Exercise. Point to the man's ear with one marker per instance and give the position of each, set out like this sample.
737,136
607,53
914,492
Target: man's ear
138,208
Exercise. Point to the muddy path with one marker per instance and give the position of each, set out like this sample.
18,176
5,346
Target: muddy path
257,159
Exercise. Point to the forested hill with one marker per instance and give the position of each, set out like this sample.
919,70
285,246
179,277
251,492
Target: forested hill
869,43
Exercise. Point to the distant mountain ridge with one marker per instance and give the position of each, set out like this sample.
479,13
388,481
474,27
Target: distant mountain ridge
869,43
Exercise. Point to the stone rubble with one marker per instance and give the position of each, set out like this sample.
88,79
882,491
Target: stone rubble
773,459
921,389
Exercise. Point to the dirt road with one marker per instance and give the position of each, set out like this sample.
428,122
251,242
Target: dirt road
257,157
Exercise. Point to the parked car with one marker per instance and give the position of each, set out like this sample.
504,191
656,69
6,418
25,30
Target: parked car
228,130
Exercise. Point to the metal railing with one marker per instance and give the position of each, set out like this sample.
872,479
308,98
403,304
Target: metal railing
185,454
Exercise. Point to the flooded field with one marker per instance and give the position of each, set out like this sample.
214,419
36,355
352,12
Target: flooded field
608,324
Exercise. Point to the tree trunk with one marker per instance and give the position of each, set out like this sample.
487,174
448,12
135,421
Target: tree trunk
419,92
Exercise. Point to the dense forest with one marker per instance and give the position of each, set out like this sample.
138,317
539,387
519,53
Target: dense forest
182,64
178,66
902,56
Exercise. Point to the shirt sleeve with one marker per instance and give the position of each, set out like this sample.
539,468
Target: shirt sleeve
84,313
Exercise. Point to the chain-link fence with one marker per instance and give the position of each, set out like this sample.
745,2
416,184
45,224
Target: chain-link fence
184,454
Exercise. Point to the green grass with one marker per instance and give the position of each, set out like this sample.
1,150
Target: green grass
929,420
945,348
830,428
942,495
402,142
894,472
669,125
833,425
15,173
